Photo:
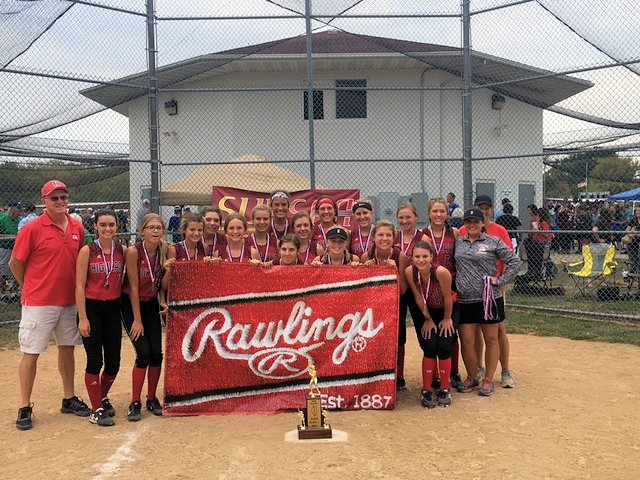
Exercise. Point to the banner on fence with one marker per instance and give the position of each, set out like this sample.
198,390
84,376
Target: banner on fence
230,200
240,338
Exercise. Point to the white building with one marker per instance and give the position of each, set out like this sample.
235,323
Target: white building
384,117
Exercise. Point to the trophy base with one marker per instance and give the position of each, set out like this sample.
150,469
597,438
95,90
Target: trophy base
313,433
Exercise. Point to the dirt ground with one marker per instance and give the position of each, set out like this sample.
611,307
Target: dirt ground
574,414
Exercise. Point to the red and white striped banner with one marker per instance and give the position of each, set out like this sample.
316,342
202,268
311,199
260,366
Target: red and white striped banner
239,338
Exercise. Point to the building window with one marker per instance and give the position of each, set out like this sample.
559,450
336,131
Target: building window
351,103
318,105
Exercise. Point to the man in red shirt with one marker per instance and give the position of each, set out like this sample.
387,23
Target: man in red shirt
44,263
484,203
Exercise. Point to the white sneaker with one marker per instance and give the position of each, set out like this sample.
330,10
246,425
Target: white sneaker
480,373
507,380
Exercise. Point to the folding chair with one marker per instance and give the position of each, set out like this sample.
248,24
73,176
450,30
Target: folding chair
537,279
597,266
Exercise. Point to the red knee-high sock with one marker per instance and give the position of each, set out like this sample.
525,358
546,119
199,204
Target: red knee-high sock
92,381
137,381
400,362
152,382
455,356
428,369
105,384
436,372
445,373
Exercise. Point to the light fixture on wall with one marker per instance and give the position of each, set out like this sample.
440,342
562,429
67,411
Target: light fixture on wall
171,107
497,101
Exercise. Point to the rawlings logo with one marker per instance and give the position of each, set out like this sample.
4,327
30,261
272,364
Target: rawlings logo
278,349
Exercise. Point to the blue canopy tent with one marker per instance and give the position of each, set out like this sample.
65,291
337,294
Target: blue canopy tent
626,196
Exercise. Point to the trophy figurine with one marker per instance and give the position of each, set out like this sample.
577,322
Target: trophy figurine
313,419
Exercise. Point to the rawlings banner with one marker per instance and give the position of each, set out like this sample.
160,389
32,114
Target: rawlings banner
230,200
240,338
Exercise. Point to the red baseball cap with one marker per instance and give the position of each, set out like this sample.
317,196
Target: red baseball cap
53,185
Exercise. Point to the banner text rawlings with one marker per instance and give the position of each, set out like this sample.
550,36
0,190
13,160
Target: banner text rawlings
231,200
240,338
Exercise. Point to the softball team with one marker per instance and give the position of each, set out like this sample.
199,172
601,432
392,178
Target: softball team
428,263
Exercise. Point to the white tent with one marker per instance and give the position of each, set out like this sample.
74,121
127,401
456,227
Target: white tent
261,176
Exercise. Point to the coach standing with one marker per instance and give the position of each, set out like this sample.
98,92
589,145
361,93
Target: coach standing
43,262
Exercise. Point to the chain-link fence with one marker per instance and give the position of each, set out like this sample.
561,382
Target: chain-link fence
534,102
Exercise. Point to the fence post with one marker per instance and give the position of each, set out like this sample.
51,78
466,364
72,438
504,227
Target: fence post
312,154
467,184
153,107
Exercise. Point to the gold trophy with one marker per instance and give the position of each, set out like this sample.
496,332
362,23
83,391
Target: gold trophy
313,419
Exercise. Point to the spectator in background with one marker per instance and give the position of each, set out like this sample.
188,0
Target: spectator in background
501,212
455,212
9,222
566,221
174,224
74,214
603,224
510,222
88,221
144,209
30,209
583,223
632,242
536,242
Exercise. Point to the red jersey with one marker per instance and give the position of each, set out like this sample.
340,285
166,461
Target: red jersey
105,272
307,256
269,250
319,235
245,254
360,244
278,234
182,254
150,273
407,244
49,255
395,255
217,244
445,247
430,290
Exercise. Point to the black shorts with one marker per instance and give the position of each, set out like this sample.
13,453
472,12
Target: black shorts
474,313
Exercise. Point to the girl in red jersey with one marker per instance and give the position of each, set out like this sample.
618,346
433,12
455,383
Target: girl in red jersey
431,287
406,238
264,245
442,238
302,228
336,252
280,202
192,247
327,210
361,236
140,310
99,272
384,252
212,237
238,246
288,250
